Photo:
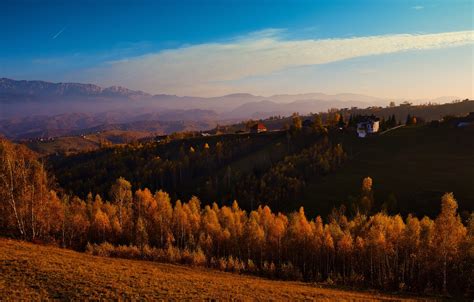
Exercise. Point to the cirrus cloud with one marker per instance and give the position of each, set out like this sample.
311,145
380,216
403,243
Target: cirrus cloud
210,68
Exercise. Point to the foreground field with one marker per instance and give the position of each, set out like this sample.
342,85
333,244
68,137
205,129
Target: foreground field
29,271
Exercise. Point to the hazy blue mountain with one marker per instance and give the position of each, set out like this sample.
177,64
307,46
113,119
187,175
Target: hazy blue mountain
39,108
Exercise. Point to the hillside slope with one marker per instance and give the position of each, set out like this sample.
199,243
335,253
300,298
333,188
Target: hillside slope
31,271
84,143
412,166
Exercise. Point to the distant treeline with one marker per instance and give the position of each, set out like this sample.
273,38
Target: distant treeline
425,112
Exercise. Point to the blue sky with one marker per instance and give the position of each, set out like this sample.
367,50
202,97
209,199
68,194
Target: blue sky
217,47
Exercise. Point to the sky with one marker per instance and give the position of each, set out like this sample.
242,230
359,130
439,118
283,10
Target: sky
395,49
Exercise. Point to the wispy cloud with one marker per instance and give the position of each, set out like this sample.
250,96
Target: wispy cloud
417,7
58,33
200,69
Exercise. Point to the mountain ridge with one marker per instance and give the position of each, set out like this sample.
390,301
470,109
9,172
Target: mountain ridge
44,88
20,98
8,85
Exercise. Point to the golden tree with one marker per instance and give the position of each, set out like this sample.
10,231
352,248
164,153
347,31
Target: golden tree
449,233
23,189
367,196
163,218
100,225
121,194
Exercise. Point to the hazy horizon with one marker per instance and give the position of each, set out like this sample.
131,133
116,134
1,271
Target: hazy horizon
440,98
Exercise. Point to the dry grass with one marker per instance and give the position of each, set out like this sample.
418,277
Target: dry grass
34,272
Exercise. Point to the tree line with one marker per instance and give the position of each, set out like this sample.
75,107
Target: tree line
206,166
377,251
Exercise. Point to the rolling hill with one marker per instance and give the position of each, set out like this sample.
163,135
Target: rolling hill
93,140
35,272
413,166
70,124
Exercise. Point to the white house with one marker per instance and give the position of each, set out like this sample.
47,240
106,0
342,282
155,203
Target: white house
466,121
368,126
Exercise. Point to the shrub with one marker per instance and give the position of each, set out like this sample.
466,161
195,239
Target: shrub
356,279
198,257
329,281
251,268
268,269
230,264
127,252
290,272
105,249
172,254
147,252
238,265
186,257
89,248
222,264
213,263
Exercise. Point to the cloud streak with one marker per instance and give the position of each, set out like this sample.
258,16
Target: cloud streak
58,33
208,69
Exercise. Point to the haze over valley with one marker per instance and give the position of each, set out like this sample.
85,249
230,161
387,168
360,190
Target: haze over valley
35,109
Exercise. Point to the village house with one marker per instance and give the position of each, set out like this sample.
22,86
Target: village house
258,128
466,121
367,125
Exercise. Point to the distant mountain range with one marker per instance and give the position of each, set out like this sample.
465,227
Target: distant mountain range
12,90
32,108
25,98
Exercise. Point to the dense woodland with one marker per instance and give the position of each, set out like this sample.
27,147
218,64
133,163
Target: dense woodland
209,166
287,168
367,249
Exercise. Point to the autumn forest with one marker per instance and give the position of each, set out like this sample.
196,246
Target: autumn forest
361,247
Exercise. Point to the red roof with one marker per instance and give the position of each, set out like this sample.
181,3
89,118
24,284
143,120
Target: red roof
259,126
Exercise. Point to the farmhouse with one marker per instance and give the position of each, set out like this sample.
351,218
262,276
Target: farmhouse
258,128
466,121
367,125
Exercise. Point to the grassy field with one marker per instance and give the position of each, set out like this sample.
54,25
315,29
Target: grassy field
415,164
65,144
34,272
89,142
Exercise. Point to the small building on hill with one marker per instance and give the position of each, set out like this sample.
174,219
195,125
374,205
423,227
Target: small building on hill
160,138
466,121
367,125
258,128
